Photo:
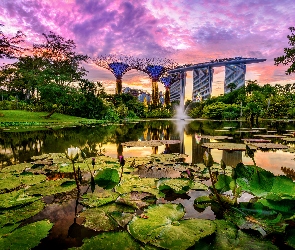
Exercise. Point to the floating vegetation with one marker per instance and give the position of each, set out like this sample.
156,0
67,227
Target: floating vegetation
26,237
99,198
163,227
152,143
226,146
269,146
216,137
52,187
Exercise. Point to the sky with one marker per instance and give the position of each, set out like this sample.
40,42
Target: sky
186,31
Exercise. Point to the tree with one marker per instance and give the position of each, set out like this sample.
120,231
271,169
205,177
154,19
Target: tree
289,56
61,63
232,86
9,46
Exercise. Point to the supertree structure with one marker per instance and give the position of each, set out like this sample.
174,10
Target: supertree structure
155,68
168,80
118,65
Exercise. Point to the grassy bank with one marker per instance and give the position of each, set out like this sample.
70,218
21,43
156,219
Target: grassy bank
25,120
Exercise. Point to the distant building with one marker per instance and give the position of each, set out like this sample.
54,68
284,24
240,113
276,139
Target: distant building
175,91
202,83
234,74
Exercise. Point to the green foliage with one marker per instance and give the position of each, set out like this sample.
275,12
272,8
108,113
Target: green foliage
159,113
111,241
289,53
229,237
26,237
164,227
107,178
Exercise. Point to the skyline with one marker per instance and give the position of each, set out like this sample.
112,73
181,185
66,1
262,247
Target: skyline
191,31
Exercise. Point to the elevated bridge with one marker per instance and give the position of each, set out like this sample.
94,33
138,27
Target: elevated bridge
235,70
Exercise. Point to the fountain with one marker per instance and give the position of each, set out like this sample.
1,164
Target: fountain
180,117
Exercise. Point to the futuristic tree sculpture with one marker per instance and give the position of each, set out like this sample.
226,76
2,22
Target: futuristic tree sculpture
168,80
118,65
155,68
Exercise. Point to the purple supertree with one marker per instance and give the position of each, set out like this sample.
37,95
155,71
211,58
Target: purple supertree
168,80
155,68
118,65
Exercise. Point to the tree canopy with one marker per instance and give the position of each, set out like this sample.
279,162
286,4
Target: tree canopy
289,56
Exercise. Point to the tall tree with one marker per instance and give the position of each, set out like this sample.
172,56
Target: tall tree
61,63
289,56
9,46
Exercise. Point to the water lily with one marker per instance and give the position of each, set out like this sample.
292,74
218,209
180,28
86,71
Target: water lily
73,153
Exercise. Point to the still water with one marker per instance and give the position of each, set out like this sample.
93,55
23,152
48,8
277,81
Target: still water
18,147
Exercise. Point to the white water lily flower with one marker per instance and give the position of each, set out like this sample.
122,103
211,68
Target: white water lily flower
73,152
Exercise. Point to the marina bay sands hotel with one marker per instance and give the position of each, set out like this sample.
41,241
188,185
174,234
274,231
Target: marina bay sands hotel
235,70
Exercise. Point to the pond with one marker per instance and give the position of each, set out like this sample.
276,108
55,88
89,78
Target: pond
179,145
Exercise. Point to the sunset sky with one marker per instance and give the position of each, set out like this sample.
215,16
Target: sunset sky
187,31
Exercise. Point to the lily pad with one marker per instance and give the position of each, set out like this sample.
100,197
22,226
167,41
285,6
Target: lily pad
18,168
131,183
104,218
110,241
7,229
26,237
107,178
229,237
16,198
226,146
162,227
269,146
99,198
178,186
136,199
12,181
52,187
17,214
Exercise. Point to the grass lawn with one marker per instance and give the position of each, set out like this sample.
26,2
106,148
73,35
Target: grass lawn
25,120
26,116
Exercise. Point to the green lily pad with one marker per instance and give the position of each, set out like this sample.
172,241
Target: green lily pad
202,202
224,183
52,187
121,218
107,178
26,237
11,181
162,227
131,183
263,224
18,168
110,241
102,218
254,179
7,229
98,220
100,198
14,215
178,186
136,199
229,237
16,198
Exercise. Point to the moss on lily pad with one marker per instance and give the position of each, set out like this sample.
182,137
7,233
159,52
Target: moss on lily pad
7,229
26,237
111,241
162,227
100,198
14,215
52,187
